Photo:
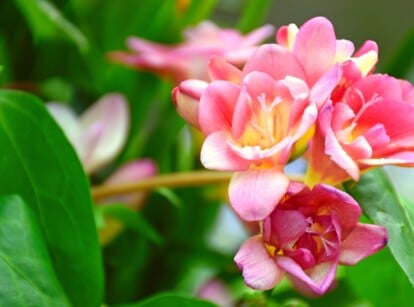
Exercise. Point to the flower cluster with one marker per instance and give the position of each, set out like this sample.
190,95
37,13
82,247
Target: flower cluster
308,95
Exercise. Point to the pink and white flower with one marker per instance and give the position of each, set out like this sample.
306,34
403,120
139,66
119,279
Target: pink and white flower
189,59
99,133
372,124
305,238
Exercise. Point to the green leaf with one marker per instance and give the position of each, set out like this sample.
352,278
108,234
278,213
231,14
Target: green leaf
372,278
382,205
133,220
169,300
47,22
43,168
27,277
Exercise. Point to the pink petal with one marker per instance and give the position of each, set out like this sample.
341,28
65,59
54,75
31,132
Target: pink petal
368,46
217,155
133,171
315,47
216,106
316,280
405,158
67,120
255,193
344,50
110,113
358,149
326,198
186,97
256,36
258,267
144,46
275,61
284,226
219,69
286,35
396,116
324,87
363,241
338,155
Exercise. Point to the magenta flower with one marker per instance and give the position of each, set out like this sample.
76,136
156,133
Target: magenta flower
188,60
305,238
371,124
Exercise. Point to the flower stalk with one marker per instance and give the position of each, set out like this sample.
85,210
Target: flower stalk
174,180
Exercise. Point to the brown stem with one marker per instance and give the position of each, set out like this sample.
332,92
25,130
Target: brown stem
175,180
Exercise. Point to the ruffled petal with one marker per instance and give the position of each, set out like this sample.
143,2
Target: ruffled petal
258,267
255,193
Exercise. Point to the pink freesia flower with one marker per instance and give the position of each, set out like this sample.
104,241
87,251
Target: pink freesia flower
305,238
257,118
188,60
371,124
98,134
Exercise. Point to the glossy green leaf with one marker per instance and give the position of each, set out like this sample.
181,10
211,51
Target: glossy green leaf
47,22
382,205
169,300
27,277
43,169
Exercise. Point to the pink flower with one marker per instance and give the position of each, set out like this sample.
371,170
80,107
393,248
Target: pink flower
316,48
216,291
308,234
371,124
98,134
256,119
132,171
188,60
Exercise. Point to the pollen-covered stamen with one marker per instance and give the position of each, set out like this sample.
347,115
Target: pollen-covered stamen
266,126
322,236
